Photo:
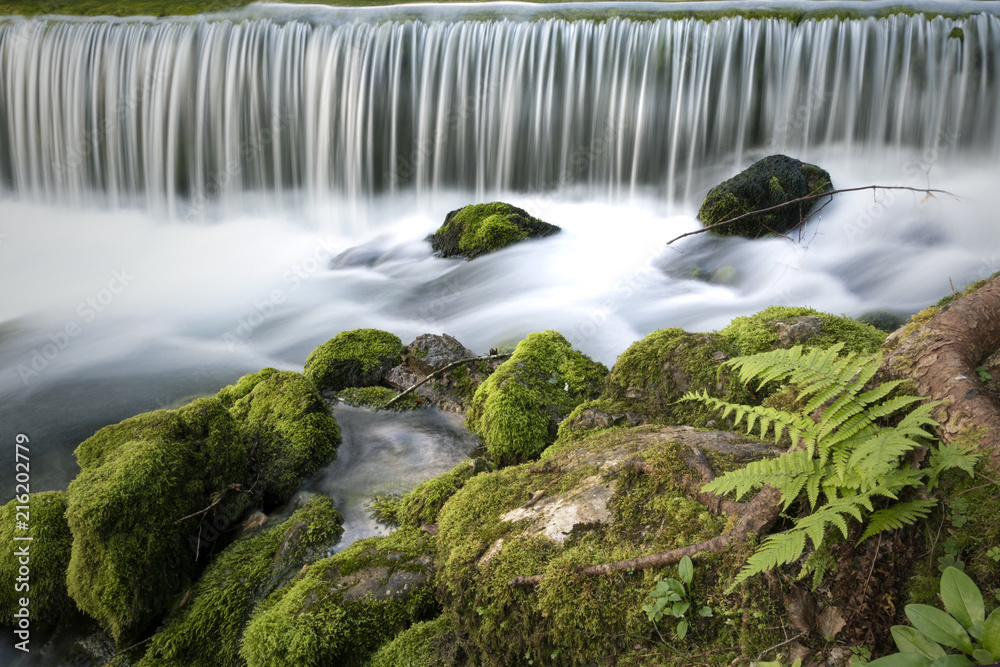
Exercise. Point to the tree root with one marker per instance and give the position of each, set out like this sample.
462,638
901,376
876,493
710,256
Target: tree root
941,357
716,504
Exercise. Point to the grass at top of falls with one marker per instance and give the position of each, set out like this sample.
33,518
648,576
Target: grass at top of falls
188,7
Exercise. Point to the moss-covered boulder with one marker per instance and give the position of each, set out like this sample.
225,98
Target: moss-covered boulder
785,326
775,180
517,410
424,644
356,358
291,428
47,551
478,229
208,629
133,551
610,496
342,608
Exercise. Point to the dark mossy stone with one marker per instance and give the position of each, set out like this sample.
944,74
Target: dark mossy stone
883,320
357,358
775,180
478,229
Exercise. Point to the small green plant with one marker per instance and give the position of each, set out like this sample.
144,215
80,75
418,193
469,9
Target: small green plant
950,558
843,460
673,598
983,373
964,627
994,553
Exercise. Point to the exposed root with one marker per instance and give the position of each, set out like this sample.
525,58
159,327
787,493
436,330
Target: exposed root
441,371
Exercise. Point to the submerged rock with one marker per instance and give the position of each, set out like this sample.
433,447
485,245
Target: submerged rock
517,410
356,358
478,229
769,182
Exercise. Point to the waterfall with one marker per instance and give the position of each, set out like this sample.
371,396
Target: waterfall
164,113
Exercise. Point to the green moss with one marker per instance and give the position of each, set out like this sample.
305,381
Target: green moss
422,504
48,552
356,358
478,229
753,334
653,373
374,398
318,619
570,619
767,183
516,411
293,433
208,630
138,479
419,646
883,320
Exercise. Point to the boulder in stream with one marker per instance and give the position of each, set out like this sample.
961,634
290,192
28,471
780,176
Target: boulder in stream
478,229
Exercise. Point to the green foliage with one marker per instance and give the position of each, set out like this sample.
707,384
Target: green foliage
983,373
964,626
355,358
994,553
207,630
845,460
138,478
374,398
516,411
672,597
291,428
49,552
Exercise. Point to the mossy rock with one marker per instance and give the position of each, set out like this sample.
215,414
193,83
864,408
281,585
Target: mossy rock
356,358
478,229
342,608
375,398
594,510
132,552
424,644
775,180
785,326
517,410
209,628
291,428
421,505
48,552
883,320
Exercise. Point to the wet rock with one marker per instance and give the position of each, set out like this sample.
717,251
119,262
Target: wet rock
797,330
451,391
769,182
479,229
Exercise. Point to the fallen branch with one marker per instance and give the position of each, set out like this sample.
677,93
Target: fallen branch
489,357
715,503
231,487
758,516
927,191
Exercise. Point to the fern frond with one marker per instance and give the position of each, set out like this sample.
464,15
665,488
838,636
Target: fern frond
775,550
782,472
945,457
897,516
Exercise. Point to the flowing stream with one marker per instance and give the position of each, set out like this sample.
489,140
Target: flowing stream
186,200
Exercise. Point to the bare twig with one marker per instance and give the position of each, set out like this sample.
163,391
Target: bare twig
438,372
231,487
806,198
768,650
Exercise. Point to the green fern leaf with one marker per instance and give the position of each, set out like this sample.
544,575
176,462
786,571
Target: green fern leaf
897,516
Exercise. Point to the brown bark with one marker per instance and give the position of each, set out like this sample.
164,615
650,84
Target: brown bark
941,357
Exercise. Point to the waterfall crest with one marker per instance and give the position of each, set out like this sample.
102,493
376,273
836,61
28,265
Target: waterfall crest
158,112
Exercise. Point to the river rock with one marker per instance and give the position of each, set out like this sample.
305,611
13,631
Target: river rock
452,391
769,182
479,229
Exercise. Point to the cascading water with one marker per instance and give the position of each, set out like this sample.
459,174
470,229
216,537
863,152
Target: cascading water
175,113
186,200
